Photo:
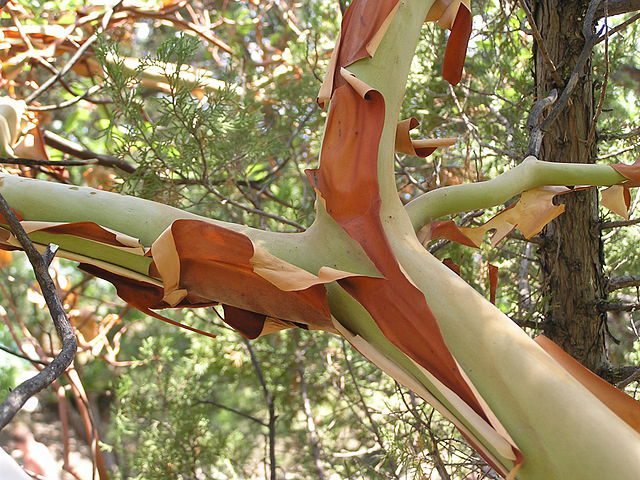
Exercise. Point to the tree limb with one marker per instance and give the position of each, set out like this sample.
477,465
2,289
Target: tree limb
617,283
619,223
619,27
534,120
531,173
17,398
590,39
619,307
78,151
618,7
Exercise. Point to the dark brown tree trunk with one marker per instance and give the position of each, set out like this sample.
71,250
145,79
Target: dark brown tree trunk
572,257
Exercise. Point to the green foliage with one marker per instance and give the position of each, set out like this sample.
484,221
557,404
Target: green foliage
174,138
8,376
163,429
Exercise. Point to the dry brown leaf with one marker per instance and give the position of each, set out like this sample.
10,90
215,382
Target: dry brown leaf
617,198
530,214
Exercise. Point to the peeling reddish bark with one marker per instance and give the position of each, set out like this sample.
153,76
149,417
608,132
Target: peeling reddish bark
347,181
215,268
456,51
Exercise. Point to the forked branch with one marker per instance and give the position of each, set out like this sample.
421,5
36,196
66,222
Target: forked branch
18,396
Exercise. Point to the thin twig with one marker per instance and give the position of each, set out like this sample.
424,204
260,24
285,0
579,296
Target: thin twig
71,148
76,56
620,136
23,357
70,102
620,27
268,397
605,82
619,7
619,307
619,223
314,439
534,120
232,410
625,281
635,376
590,39
32,162
540,42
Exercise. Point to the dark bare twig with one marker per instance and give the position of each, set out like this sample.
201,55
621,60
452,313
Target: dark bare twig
373,425
618,307
590,39
635,376
32,162
605,82
50,253
620,27
540,42
76,56
17,398
625,281
271,407
314,440
620,136
68,103
23,357
619,223
78,151
233,410
618,7
535,119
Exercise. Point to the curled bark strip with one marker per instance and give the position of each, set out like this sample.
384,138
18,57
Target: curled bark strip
143,296
493,283
418,148
456,51
621,404
215,266
363,27
617,198
453,266
454,15
448,230
253,325
529,214
352,196
630,172
202,264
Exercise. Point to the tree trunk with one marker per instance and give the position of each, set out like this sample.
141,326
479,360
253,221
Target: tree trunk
572,256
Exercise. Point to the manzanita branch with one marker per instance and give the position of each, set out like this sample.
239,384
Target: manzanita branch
17,398
531,173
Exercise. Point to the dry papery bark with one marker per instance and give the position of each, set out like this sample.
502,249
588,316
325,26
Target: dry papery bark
360,271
